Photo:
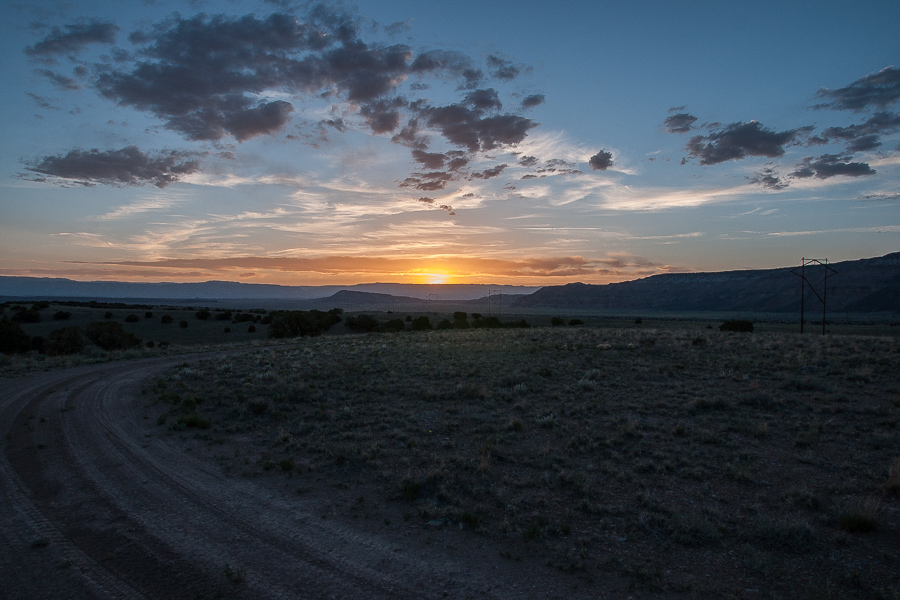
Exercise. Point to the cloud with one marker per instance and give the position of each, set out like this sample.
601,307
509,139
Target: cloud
426,200
42,101
503,69
880,197
72,38
601,161
831,165
467,128
128,166
59,81
430,160
490,173
878,90
483,100
428,182
739,140
768,178
528,161
532,100
863,136
679,123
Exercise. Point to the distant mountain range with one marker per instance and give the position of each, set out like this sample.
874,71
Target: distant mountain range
856,286
43,287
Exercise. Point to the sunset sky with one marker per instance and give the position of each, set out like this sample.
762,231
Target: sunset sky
506,142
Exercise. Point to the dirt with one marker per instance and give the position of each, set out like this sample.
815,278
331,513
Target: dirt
99,502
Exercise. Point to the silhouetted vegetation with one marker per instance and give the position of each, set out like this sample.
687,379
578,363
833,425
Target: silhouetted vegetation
739,325
294,323
110,335
66,340
13,340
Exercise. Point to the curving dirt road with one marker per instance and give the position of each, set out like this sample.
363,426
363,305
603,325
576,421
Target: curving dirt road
97,503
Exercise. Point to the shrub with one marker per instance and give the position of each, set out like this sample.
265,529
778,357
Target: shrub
183,324
132,319
421,324
13,338
224,316
108,315
148,315
266,320
574,322
110,335
27,316
202,315
251,329
293,323
557,321
365,323
460,320
166,319
61,315
738,325
67,340
394,325
228,330
445,324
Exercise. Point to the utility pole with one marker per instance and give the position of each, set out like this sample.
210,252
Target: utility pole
805,281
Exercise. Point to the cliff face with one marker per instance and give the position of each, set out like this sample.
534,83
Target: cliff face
870,285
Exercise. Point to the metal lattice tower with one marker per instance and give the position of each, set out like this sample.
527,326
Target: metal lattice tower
807,281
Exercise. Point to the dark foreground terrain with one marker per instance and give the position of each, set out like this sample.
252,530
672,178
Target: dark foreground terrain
570,462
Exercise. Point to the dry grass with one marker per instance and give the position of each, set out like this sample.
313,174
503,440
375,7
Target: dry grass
711,468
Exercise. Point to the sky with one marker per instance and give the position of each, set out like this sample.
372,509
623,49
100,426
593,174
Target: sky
503,142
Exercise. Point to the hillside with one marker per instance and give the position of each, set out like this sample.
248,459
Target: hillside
868,285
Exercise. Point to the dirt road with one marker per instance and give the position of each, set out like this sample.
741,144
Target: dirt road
97,502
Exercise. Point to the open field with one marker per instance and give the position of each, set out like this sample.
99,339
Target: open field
678,460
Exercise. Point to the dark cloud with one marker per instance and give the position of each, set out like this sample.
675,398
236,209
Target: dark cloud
739,140
428,182
42,101
878,90
831,165
450,62
58,80
528,161
880,197
457,163
382,116
862,136
601,161
426,200
72,38
769,178
337,123
483,100
128,166
448,208
430,160
490,173
532,100
680,123
503,69
463,126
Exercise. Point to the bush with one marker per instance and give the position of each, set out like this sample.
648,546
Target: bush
132,319
166,319
557,321
460,320
251,329
293,323
183,324
421,324
364,323
148,315
737,325
108,315
224,316
61,315
68,340
243,318
202,315
575,322
110,335
13,339
27,316
394,325
445,324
